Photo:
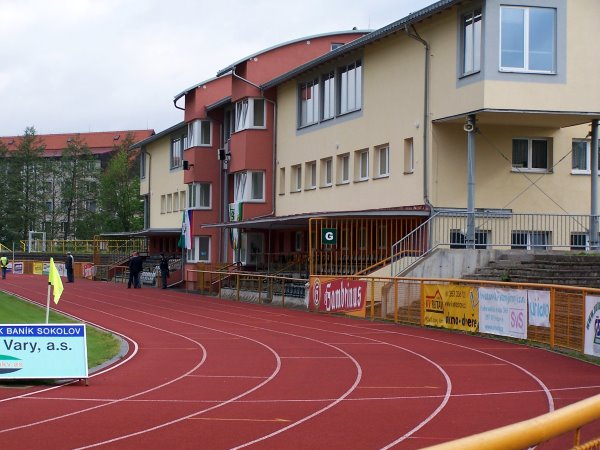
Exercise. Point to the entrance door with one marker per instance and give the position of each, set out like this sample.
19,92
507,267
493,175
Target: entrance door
253,249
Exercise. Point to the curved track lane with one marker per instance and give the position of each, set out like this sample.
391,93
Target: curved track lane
205,373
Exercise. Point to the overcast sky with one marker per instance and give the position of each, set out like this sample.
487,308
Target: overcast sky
104,65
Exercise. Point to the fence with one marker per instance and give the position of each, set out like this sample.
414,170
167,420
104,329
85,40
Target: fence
503,230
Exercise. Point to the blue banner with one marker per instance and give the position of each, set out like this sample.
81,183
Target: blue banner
29,351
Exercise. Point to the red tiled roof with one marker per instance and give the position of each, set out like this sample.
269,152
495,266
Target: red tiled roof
98,142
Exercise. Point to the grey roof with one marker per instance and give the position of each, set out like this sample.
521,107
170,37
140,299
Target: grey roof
364,40
157,136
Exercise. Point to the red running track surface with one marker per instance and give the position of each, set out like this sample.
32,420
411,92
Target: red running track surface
204,373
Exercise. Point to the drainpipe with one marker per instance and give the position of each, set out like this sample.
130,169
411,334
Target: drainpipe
412,33
469,127
594,194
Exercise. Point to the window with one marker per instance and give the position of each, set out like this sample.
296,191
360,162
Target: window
199,195
309,103
311,175
382,163
142,164
199,133
329,95
169,203
530,239
579,241
581,156
250,113
361,165
335,45
530,154
296,181
182,200
175,201
409,161
177,146
298,241
257,187
49,207
350,87
471,42
249,186
90,205
527,39
200,251
163,204
458,239
326,172
343,169
282,181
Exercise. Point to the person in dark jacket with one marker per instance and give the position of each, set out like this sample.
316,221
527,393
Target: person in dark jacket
69,267
135,268
164,269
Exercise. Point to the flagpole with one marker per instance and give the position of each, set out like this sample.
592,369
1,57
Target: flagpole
48,302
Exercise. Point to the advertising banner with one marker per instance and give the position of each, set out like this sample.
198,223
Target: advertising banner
591,344
503,312
539,308
31,351
88,271
339,295
451,306
18,268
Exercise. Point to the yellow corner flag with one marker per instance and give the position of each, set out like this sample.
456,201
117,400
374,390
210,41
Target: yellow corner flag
55,281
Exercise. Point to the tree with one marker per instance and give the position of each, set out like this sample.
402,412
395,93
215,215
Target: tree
120,191
27,174
78,185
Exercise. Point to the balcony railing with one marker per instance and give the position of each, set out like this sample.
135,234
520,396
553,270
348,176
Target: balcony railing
499,230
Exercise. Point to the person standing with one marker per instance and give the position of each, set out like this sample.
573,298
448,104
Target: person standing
135,268
164,269
4,266
69,267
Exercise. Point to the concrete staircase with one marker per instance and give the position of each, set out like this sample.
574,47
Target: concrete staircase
574,269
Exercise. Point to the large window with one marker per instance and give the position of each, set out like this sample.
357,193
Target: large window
471,42
528,39
178,144
350,87
334,93
199,195
309,103
581,156
530,154
249,186
250,113
199,133
200,251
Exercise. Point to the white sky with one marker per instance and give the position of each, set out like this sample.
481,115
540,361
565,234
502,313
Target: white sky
103,65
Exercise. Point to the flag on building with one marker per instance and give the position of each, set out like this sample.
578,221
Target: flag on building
55,281
185,240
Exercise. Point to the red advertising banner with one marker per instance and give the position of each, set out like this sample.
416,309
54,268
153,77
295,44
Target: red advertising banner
338,295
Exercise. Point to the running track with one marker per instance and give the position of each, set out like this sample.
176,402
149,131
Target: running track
204,373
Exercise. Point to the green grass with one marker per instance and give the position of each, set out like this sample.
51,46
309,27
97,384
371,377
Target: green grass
101,346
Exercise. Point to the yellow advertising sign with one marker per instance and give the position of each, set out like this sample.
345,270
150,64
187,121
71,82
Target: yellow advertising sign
451,306
38,268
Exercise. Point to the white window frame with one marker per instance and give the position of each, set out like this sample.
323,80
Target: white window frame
529,168
350,87
471,35
326,172
163,204
529,238
197,192
282,181
296,181
199,133
178,144
409,156
328,91
343,168
311,176
361,165
309,102
193,254
588,157
382,161
527,45
244,186
245,114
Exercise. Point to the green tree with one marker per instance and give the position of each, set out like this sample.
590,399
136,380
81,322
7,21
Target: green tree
78,186
27,174
120,191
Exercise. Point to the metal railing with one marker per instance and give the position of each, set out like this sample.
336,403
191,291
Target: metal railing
97,245
483,230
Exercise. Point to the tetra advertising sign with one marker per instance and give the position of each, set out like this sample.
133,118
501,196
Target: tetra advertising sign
29,351
339,295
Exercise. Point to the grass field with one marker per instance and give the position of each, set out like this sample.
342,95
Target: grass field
101,346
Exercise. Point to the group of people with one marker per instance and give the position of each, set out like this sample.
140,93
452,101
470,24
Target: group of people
136,267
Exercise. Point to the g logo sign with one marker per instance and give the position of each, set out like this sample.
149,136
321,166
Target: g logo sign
329,236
